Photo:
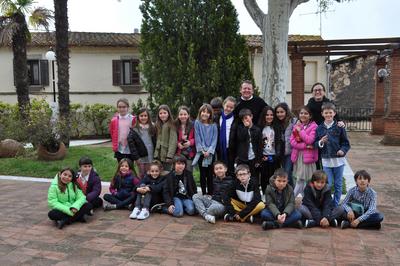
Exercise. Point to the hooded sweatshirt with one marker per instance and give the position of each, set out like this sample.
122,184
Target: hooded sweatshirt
271,199
318,202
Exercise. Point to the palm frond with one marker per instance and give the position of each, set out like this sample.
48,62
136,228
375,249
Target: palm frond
7,29
41,17
25,6
8,7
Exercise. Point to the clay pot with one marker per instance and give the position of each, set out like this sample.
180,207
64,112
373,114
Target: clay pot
45,155
10,148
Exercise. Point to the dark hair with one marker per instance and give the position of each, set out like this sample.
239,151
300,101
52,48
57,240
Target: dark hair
116,175
216,102
319,175
61,185
85,160
123,100
189,123
152,129
289,114
170,120
307,109
180,159
362,173
280,172
328,106
219,162
209,109
261,120
244,112
242,167
316,84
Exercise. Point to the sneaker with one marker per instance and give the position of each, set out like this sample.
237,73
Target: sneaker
266,225
228,218
250,219
345,224
333,223
157,208
109,207
144,214
309,223
298,225
83,219
91,212
135,213
60,223
210,218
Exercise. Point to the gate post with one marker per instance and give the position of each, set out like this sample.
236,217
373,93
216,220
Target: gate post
297,81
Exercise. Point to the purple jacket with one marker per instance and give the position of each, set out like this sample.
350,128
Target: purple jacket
93,189
307,137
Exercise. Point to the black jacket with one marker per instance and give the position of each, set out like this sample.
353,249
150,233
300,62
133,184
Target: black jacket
232,139
136,145
171,187
221,188
156,185
315,108
243,143
249,195
255,105
321,206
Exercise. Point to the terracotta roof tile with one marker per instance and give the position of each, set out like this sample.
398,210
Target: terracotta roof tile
255,41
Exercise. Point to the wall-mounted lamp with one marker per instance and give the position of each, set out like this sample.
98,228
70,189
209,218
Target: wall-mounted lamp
51,56
382,74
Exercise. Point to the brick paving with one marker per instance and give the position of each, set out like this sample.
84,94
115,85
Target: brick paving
27,237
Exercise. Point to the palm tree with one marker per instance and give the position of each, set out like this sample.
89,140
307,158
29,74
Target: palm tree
62,55
14,31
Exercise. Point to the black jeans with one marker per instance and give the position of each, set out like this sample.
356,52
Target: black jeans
206,177
57,215
267,170
97,203
121,203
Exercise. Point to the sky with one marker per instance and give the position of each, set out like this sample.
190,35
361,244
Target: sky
354,19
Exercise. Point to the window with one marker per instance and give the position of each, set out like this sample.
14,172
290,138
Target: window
38,72
126,72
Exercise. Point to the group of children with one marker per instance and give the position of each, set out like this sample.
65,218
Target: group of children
235,157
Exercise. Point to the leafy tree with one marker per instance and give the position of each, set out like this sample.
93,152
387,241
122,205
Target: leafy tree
191,51
14,31
274,26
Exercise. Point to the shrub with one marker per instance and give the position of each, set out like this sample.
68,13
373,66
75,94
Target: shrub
100,115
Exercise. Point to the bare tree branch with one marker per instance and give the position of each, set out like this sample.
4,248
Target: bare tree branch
255,12
294,4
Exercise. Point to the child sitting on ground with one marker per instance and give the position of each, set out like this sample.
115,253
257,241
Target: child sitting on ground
358,209
279,198
179,188
89,182
213,207
148,192
67,203
243,198
317,202
122,187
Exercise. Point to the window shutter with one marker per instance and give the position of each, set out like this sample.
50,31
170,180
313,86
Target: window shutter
135,72
116,72
44,72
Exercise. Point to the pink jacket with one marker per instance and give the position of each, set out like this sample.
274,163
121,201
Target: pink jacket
307,137
113,129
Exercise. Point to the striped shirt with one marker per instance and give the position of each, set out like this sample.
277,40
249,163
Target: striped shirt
367,198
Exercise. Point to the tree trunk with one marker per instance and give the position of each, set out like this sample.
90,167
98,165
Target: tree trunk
62,55
20,65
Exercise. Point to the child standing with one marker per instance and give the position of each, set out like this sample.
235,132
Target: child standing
186,140
358,209
283,126
89,182
67,203
249,143
333,144
304,154
148,192
119,130
122,187
178,190
269,160
279,198
317,202
206,134
141,140
243,198
227,125
212,208
166,137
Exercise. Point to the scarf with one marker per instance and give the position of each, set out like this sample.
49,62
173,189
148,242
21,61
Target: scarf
222,136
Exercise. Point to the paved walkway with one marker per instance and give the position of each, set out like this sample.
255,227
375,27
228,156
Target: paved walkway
27,237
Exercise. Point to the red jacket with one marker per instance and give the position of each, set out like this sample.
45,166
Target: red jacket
192,147
113,129
307,137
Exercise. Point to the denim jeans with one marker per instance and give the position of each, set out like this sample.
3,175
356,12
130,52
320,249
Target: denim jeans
143,200
335,177
183,205
266,215
373,221
288,166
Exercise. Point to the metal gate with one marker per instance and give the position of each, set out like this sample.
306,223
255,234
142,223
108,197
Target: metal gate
356,119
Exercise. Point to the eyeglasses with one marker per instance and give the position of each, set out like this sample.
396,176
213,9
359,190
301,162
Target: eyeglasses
242,174
315,90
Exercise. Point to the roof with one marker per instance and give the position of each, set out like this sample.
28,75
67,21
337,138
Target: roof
255,41
79,39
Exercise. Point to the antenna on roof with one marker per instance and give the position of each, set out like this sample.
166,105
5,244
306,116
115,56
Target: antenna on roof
318,12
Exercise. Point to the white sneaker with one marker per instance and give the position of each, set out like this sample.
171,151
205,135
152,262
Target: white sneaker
210,218
144,214
135,213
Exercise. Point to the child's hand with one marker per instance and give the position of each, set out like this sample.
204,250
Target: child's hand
237,217
186,144
73,210
171,209
341,124
324,139
206,154
324,222
281,218
180,146
355,223
340,153
350,216
310,147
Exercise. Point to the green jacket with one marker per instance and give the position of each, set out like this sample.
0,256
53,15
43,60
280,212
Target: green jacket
166,144
270,199
63,202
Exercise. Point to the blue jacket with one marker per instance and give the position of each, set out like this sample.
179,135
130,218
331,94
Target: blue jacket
337,140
